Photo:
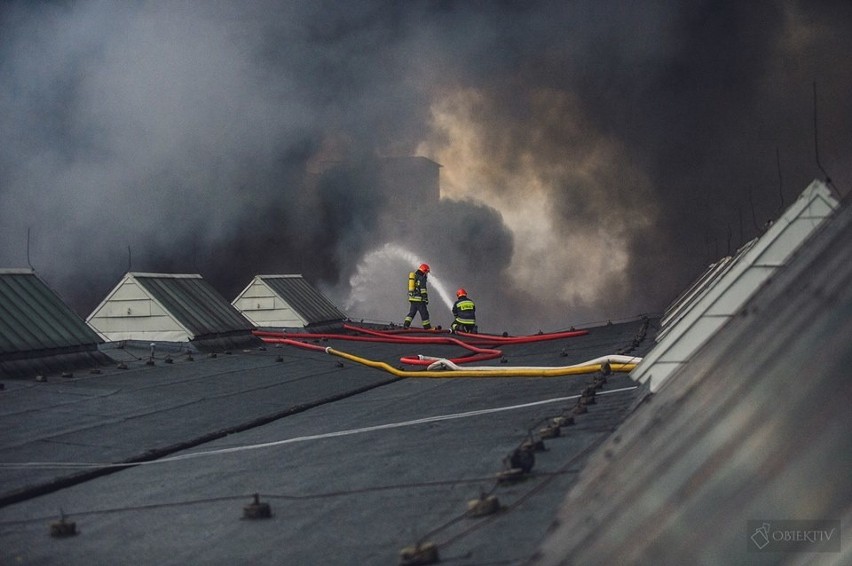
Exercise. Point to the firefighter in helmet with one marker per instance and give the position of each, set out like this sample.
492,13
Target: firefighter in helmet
464,311
418,297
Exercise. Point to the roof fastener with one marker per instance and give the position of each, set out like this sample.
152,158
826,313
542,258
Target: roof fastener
256,509
563,421
534,445
550,431
63,528
485,505
523,459
419,554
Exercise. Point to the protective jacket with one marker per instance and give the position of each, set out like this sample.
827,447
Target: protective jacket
464,311
417,291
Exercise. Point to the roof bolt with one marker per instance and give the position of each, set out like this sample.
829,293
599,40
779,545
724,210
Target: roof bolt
189,357
522,459
419,554
534,445
63,528
40,378
256,509
67,374
168,359
485,505
563,353
212,355
95,371
227,352
563,421
503,360
279,359
339,364
550,431
150,362
261,348
121,365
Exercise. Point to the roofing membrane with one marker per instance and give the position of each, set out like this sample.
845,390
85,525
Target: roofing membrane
355,463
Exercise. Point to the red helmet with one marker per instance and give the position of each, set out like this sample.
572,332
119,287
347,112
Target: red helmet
424,267
461,292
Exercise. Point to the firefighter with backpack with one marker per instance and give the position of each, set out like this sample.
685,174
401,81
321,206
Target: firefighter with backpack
418,297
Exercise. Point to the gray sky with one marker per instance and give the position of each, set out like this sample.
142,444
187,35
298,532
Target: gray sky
597,155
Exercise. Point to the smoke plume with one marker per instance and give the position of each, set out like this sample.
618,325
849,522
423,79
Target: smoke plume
595,155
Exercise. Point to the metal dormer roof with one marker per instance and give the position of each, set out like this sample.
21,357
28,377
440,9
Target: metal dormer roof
33,319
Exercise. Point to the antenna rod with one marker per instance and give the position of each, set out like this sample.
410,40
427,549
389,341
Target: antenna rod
780,182
28,250
816,138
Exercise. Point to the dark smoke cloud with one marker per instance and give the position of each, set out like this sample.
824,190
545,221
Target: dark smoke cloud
597,155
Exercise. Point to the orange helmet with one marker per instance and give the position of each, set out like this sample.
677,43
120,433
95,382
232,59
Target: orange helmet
424,267
461,292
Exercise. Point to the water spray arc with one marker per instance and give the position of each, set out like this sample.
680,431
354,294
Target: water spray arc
372,262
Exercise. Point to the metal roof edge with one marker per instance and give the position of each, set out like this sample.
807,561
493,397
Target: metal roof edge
166,275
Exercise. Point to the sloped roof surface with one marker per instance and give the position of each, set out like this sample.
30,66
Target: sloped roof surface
304,298
707,312
355,463
755,430
33,318
194,303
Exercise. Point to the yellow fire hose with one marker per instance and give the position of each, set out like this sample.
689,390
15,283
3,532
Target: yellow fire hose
485,371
